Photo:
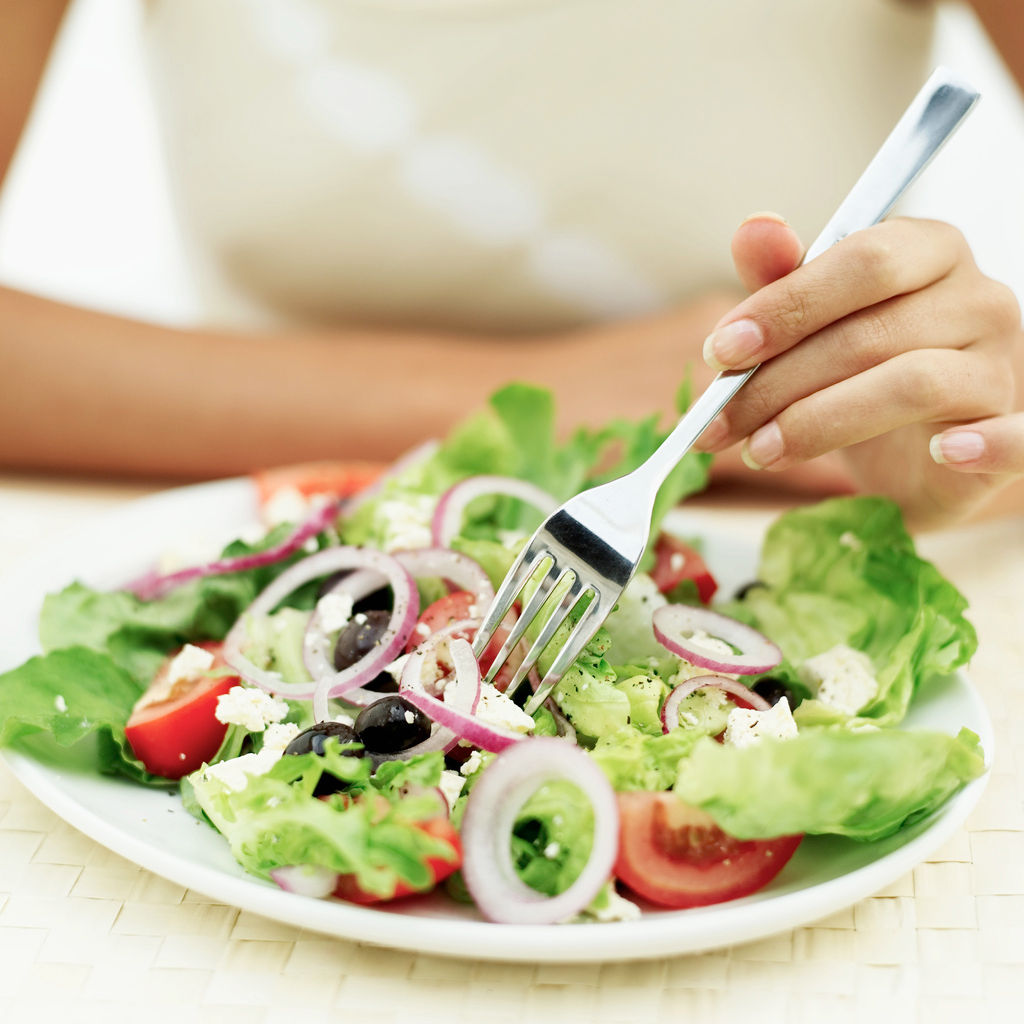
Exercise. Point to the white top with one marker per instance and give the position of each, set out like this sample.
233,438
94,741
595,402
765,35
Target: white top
511,164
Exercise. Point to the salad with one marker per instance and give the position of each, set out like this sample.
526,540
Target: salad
313,695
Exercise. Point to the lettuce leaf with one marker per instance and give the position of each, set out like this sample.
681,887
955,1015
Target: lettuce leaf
275,821
845,571
71,695
864,785
516,436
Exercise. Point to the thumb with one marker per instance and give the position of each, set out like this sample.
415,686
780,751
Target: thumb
765,248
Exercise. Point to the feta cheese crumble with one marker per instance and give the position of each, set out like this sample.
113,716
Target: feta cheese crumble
249,707
501,712
746,726
841,678
451,785
472,764
334,612
406,522
188,663
236,771
60,703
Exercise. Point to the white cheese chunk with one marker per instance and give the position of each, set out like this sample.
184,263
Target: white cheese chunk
746,726
406,522
841,678
451,785
334,612
501,712
249,707
188,663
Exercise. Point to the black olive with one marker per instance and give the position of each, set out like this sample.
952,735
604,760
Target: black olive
383,682
391,724
359,637
377,601
742,592
311,741
773,690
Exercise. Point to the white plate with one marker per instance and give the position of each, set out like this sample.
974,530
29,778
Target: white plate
152,829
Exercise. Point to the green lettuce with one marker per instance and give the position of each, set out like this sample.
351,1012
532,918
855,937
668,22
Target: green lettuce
72,695
845,571
516,436
276,821
864,784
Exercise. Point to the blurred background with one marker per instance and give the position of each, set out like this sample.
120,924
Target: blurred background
86,216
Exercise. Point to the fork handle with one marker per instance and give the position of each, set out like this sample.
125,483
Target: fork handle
932,117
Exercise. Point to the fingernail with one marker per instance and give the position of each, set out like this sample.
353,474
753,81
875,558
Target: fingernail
765,215
714,434
763,447
732,344
957,446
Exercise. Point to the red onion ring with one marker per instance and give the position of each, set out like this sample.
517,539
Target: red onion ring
461,722
451,566
447,521
741,694
673,622
411,458
306,880
323,563
491,811
153,584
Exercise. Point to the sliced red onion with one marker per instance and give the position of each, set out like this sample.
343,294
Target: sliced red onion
324,563
461,721
494,804
743,696
306,880
153,584
675,624
411,458
451,507
456,568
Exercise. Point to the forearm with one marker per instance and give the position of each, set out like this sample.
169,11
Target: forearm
92,393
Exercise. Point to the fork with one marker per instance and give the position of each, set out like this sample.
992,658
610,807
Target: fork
592,544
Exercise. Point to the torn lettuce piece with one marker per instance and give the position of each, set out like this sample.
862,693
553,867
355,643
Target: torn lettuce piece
635,760
845,572
864,785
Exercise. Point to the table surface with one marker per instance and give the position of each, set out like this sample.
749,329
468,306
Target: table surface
86,935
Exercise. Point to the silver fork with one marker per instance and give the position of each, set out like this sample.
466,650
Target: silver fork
591,545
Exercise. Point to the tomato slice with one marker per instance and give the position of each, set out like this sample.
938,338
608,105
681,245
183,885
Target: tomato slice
676,856
173,729
342,479
675,561
453,607
440,867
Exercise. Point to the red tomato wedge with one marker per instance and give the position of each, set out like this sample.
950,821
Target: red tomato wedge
173,729
675,561
342,479
676,856
440,868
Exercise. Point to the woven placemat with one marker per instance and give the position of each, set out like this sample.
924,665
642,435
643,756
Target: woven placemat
88,936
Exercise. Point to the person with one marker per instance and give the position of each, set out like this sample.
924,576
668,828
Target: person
892,349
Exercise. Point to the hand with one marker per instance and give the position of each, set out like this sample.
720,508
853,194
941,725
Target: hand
889,338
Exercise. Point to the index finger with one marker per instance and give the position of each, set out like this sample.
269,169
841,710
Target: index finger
865,268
